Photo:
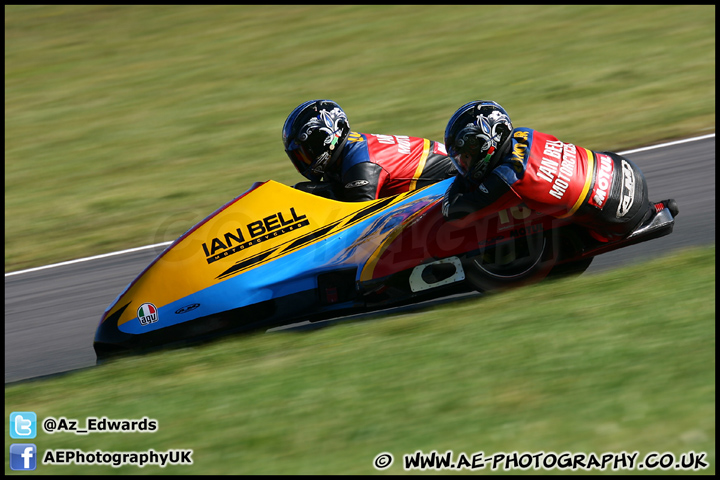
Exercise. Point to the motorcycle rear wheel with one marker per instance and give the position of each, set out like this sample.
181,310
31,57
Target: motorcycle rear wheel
528,259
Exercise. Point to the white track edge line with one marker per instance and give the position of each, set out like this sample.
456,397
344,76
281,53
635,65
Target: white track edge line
70,262
669,144
104,255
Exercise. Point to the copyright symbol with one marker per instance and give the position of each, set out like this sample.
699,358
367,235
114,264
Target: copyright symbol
383,461
49,425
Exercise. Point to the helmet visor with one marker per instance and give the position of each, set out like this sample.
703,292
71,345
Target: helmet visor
473,166
463,162
303,159
471,152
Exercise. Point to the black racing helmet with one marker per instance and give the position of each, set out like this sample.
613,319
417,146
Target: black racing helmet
474,135
314,134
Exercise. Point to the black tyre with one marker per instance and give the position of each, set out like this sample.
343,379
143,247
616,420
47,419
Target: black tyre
527,259
571,241
519,261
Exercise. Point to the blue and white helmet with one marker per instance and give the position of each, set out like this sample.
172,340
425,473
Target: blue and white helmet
474,135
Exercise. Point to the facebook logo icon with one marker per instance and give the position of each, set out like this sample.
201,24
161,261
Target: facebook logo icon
23,456
23,425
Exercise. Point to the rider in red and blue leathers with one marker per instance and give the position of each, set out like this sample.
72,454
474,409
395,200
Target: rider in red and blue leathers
501,167
352,166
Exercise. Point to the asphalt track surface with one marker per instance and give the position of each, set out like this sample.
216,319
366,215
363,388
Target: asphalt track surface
51,314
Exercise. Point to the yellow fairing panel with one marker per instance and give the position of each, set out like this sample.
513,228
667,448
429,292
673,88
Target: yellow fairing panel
266,223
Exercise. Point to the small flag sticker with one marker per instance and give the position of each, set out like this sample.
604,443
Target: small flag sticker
147,314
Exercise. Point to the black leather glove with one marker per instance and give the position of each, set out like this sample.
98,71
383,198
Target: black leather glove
321,189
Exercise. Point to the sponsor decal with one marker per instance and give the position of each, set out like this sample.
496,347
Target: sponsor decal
439,148
355,137
147,314
187,308
519,151
627,192
566,171
557,166
253,233
356,183
315,235
403,142
603,182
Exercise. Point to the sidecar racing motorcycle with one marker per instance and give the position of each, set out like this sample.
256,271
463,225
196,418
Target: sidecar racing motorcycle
276,256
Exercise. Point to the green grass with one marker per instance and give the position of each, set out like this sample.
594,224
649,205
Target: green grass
124,125
619,361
